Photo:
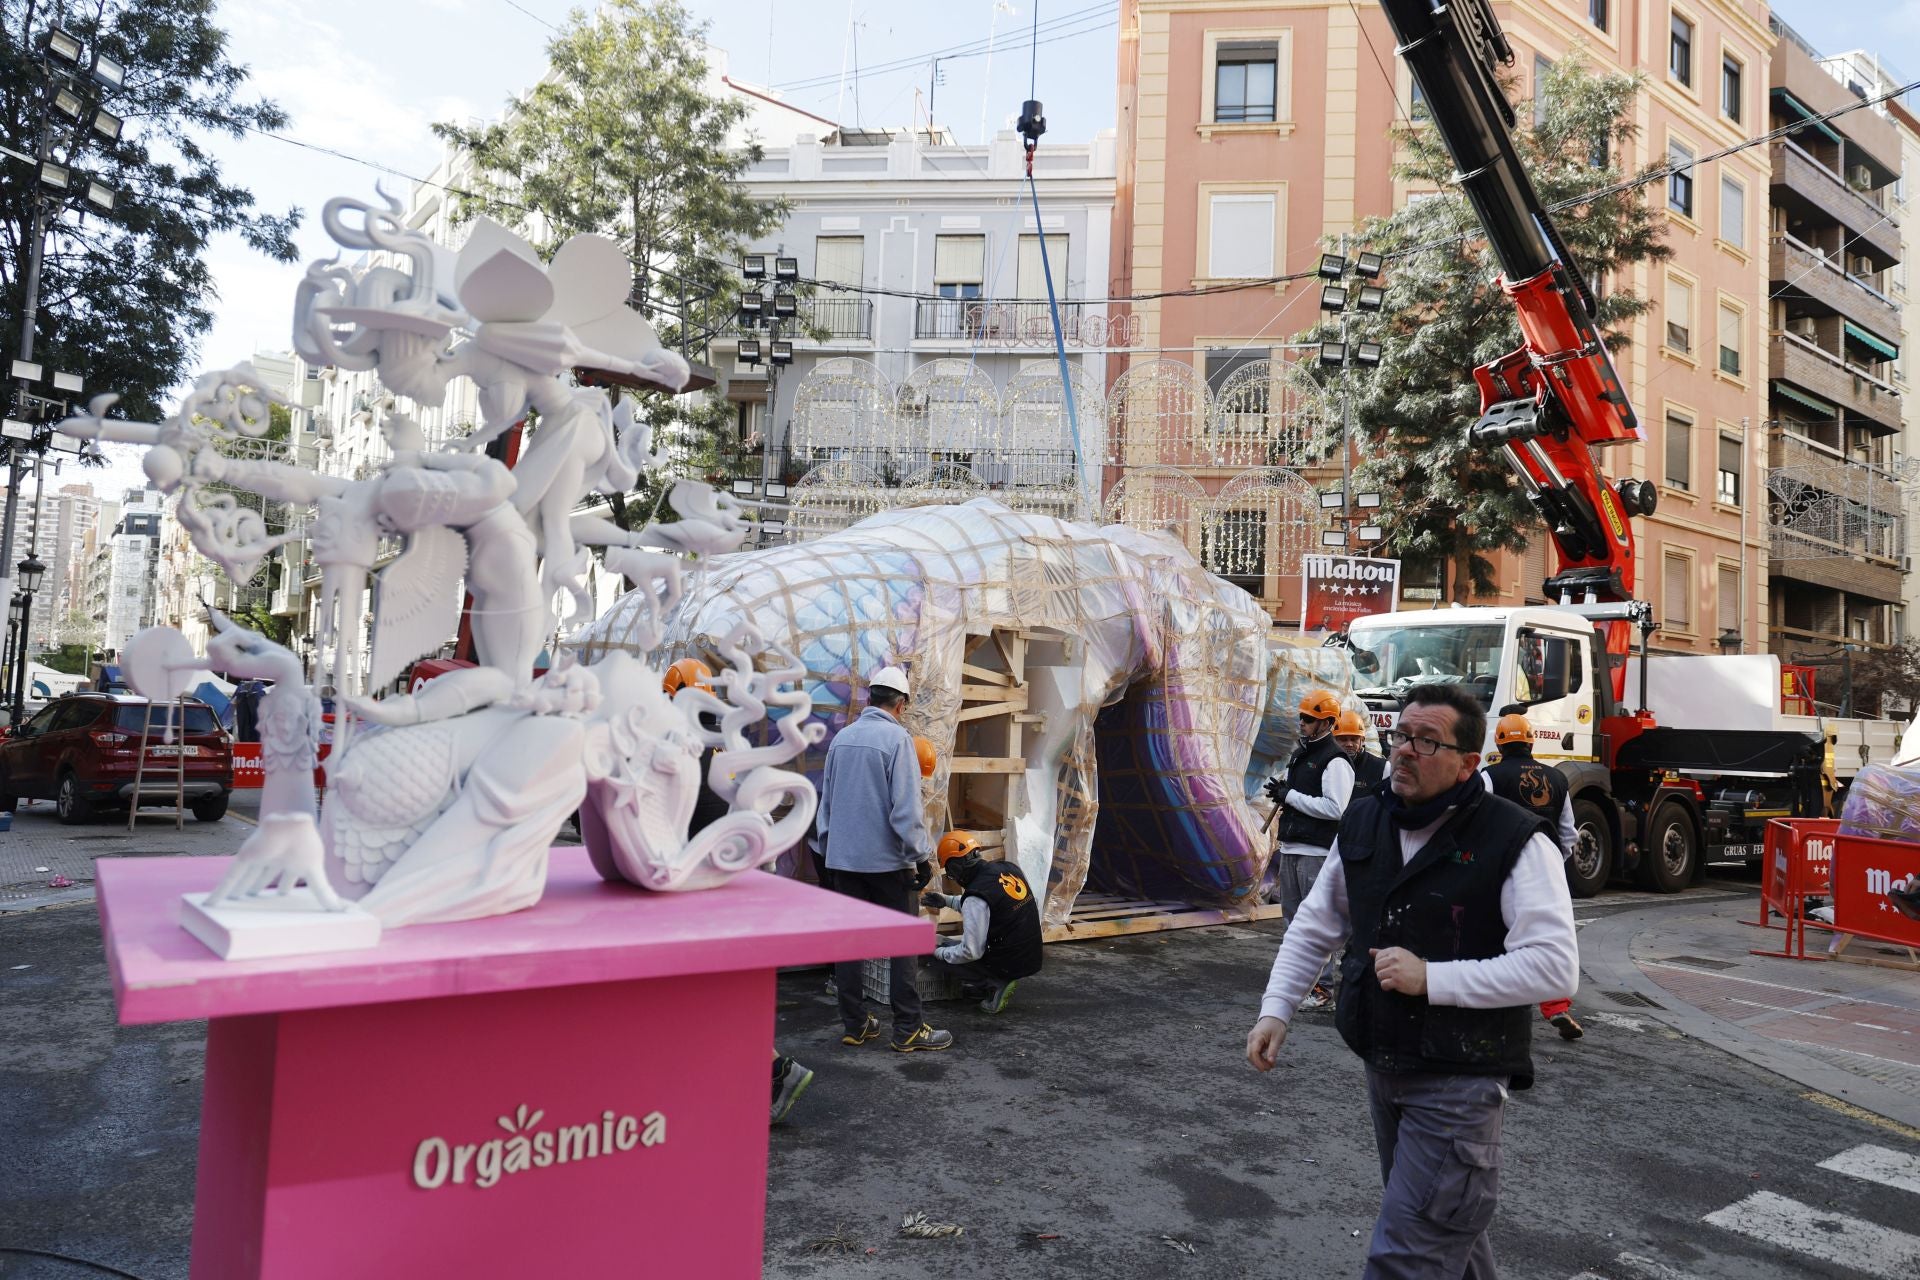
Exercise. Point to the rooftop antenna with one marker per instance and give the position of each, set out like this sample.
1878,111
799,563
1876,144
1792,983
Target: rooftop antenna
986,91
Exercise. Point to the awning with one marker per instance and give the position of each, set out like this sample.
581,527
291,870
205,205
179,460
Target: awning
1805,112
1828,412
1866,339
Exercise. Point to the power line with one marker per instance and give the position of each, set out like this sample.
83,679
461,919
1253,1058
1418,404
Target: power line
914,61
1057,34
512,4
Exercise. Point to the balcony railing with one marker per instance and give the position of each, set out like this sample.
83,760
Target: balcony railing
1013,322
1806,270
988,469
1793,359
839,318
1801,173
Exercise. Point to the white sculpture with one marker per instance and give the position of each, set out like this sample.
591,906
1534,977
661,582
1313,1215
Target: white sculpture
443,805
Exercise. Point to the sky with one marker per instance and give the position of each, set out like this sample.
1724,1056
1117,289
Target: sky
356,77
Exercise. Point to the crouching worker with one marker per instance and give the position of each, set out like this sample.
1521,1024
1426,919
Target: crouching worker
999,941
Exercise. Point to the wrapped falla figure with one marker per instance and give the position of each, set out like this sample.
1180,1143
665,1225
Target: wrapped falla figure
442,804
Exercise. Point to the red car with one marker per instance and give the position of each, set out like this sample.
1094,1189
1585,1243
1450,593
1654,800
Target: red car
83,753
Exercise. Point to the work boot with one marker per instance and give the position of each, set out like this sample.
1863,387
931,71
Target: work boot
925,1038
865,1032
1318,998
790,1080
997,998
1569,1029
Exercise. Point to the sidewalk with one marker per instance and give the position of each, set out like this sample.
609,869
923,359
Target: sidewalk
39,851
1848,1030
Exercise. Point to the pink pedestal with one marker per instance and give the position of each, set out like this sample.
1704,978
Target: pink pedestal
575,1090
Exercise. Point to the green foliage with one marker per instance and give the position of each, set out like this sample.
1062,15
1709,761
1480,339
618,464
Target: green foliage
623,139
125,296
258,617
1876,671
69,659
1448,501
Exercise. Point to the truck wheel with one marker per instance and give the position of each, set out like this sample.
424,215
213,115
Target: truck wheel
1671,852
1591,863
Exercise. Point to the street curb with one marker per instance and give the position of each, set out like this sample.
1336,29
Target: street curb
1607,958
82,892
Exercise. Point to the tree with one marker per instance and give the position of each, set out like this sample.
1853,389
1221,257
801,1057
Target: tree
622,138
1451,502
124,296
1876,672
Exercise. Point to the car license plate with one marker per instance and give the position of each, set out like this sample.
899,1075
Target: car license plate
170,752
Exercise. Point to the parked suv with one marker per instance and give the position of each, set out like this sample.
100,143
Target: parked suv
83,752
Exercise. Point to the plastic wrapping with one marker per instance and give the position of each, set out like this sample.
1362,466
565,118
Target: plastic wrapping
1883,802
1172,663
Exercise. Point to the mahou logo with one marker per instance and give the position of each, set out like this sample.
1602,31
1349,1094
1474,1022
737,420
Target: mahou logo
436,1162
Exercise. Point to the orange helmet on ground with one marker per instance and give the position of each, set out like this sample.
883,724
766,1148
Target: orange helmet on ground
956,844
1511,729
1319,705
923,748
687,671
1349,725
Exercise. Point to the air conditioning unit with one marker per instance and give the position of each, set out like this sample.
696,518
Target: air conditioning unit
1906,564
1860,177
1803,327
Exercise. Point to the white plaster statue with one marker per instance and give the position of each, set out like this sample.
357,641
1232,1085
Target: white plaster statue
444,804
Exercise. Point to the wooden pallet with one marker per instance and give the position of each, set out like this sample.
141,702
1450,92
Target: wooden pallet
1105,915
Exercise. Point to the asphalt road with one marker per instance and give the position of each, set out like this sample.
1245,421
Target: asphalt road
1106,1125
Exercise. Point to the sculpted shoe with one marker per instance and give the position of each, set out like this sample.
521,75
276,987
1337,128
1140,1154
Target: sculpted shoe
790,1080
925,1038
867,1031
1569,1029
997,998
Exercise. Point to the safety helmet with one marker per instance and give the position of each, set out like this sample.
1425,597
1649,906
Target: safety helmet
1319,705
1511,729
889,678
924,749
956,844
1349,725
687,671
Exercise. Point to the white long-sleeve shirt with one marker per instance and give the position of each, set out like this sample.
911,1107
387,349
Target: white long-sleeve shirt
1567,833
1541,961
1336,789
976,918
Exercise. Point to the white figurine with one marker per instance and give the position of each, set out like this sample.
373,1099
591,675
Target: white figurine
445,808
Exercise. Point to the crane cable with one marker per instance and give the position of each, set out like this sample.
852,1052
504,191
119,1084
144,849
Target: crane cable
1031,125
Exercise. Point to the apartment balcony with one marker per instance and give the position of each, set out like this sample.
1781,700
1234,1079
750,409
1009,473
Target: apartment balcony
1819,372
1019,322
1811,192
1798,268
1868,133
1833,521
829,318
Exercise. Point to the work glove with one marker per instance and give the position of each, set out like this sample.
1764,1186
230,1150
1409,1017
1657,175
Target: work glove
923,875
1276,790
933,901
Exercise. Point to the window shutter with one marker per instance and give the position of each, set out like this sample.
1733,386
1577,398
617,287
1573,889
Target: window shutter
1031,284
1533,568
959,259
1240,237
840,259
1733,213
1676,594
1679,452
1729,595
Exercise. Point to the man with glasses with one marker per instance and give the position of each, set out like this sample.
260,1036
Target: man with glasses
1312,796
1458,921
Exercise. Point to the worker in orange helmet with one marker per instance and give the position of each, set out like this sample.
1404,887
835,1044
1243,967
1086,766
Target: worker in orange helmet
1369,770
790,1078
1311,797
999,941
1542,789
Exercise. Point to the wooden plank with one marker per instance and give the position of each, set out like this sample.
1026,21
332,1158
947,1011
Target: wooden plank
987,764
991,709
987,693
970,672
1158,922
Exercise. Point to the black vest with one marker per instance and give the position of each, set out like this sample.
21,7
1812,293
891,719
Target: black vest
1310,761
1013,928
1369,771
1442,905
1538,787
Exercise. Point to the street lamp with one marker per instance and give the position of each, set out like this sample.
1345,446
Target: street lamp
1729,641
31,571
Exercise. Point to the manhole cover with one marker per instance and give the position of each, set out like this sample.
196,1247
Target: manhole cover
1700,962
1632,999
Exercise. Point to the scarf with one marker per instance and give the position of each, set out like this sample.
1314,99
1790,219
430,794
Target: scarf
1412,817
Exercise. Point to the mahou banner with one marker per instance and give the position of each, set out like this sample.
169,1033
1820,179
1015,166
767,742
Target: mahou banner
1338,589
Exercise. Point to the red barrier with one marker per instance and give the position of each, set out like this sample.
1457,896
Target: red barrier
1798,864
1863,870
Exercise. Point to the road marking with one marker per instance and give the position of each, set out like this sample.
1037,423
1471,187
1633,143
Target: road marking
1777,986
1626,1022
1883,1165
1830,1237
241,817
1858,1053
1649,1269
1861,1114
1780,1008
